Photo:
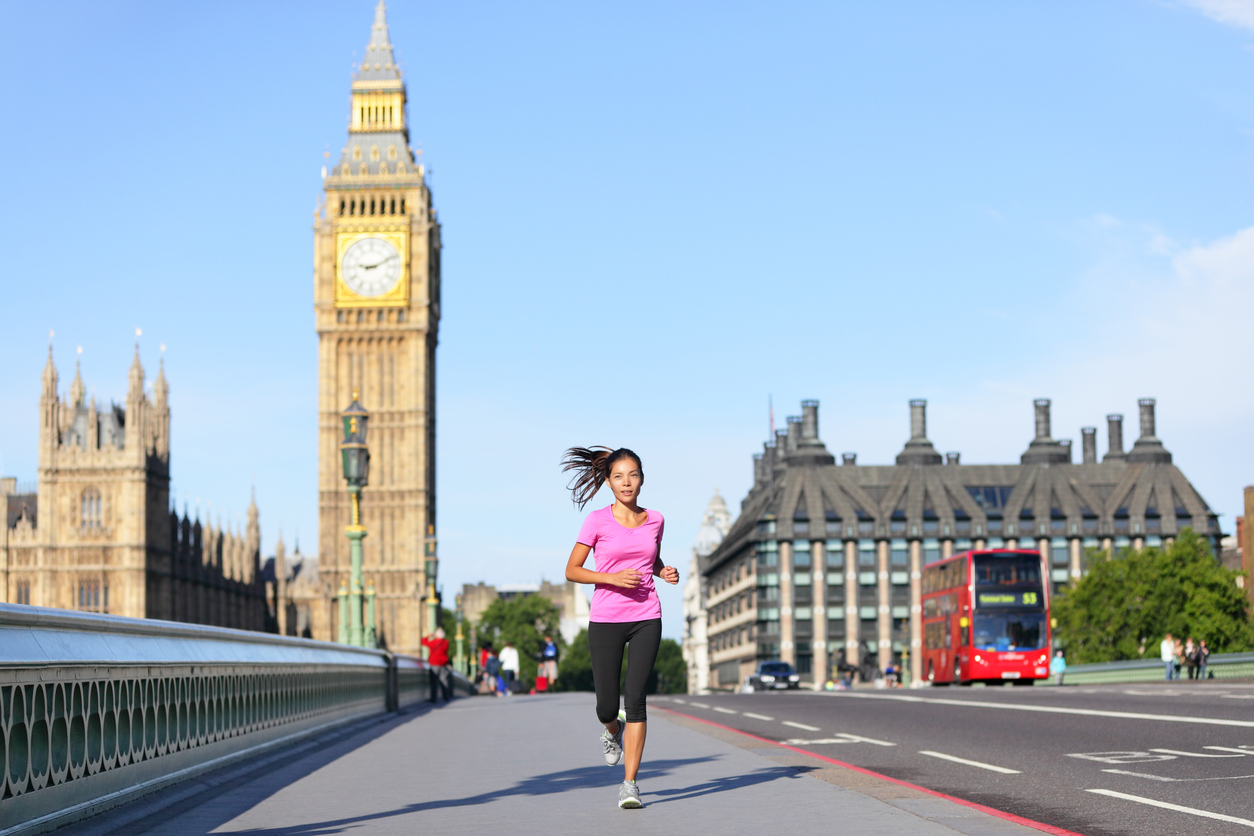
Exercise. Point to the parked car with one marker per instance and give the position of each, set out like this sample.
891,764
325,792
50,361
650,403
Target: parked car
774,676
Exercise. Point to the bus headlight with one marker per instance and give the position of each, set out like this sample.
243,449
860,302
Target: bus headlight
977,658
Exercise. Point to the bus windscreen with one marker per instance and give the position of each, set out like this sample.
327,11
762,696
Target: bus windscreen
1005,569
1009,631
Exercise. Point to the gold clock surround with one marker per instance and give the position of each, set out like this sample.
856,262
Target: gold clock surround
395,297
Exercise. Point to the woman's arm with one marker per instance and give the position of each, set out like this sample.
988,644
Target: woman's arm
628,578
667,573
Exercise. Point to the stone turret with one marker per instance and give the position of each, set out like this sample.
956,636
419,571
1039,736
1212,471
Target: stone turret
918,449
1044,449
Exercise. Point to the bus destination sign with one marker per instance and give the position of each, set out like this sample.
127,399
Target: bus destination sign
1008,599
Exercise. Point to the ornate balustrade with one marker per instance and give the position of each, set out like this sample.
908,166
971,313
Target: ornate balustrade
96,709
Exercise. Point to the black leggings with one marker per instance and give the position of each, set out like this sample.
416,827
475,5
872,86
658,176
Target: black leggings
605,643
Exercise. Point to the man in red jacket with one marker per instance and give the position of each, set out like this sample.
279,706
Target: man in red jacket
437,663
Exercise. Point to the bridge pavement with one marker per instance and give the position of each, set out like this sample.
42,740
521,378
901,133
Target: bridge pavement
532,764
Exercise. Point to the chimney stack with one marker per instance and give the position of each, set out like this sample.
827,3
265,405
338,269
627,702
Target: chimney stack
809,422
759,468
1114,437
793,435
952,457
918,449
1088,442
770,460
1147,417
1066,446
849,459
1042,419
1148,448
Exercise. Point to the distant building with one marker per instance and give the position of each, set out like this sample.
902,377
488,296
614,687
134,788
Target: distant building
97,532
828,556
714,526
569,599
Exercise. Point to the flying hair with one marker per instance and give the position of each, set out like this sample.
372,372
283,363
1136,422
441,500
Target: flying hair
592,467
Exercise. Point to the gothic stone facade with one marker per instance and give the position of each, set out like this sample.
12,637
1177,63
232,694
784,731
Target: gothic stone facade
98,534
827,557
377,312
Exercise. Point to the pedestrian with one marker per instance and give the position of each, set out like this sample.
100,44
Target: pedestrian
626,540
548,661
1203,653
1179,661
1058,667
1190,657
492,667
437,664
509,666
1167,651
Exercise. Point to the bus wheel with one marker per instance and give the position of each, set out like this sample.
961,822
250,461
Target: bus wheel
931,672
958,673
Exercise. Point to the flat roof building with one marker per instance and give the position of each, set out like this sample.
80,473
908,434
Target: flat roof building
826,557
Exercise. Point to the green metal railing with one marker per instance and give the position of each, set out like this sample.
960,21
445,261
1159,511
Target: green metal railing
1220,666
96,709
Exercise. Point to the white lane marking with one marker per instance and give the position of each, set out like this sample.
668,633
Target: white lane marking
1166,806
678,700
801,726
987,766
798,741
1237,696
698,705
1244,750
1054,709
1139,774
1178,753
729,711
855,738
758,716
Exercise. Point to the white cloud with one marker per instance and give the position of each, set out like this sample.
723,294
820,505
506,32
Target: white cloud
1239,13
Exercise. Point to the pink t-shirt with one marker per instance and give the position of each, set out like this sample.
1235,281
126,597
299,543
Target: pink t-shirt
616,547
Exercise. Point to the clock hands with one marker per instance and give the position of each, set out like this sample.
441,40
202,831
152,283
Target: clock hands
377,263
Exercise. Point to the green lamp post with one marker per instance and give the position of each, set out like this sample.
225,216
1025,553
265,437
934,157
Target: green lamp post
356,461
431,565
459,661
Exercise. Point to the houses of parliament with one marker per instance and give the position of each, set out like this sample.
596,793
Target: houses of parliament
98,532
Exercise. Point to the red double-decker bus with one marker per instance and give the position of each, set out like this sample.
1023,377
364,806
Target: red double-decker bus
986,618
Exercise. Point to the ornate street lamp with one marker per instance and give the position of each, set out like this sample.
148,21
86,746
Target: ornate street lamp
356,460
431,566
459,661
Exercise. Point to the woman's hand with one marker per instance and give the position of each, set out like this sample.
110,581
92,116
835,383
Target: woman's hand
669,574
627,579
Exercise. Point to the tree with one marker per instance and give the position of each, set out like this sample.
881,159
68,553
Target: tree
1124,606
524,621
669,675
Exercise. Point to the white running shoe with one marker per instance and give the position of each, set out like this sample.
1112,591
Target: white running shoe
613,743
629,796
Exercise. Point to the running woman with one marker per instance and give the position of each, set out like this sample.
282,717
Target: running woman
626,611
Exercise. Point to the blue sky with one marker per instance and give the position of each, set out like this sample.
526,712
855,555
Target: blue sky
656,216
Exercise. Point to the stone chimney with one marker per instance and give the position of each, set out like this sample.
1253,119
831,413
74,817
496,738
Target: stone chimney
849,459
918,449
759,470
809,422
1088,442
793,436
1066,446
1043,449
1114,438
1148,448
952,457
808,447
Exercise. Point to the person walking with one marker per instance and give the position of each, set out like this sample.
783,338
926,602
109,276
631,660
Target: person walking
1190,657
1058,667
626,540
548,661
509,666
437,664
1179,663
1203,653
492,667
1167,651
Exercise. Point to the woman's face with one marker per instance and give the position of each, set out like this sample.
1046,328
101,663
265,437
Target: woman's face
625,480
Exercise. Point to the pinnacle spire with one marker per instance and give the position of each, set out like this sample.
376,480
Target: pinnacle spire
136,374
50,375
379,64
77,389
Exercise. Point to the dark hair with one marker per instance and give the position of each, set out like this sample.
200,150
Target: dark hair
592,466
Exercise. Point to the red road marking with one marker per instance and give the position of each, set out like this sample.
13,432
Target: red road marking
1011,817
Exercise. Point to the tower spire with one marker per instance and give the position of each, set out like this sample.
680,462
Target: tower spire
379,63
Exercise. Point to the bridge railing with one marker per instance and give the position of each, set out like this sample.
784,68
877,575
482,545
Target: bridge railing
1220,666
97,709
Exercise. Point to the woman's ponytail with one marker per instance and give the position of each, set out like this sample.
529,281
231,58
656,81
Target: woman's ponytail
592,466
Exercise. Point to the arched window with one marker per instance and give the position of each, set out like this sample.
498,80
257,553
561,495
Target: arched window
91,508
383,168
393,212
357,152
372,205
402,206
391,152
400,168
374,152
341,207
363,170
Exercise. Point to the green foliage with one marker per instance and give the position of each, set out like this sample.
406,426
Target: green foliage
525,621
670,672
669,676
1125,605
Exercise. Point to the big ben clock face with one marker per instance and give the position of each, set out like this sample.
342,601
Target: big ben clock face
371,266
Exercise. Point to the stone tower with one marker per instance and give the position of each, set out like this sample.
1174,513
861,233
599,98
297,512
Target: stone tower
377,312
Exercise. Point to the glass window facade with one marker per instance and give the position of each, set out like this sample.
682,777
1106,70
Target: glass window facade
931,550
835,554
800,552
898,553
1058,551
866,552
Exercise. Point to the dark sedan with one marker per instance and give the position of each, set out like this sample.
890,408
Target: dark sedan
774,676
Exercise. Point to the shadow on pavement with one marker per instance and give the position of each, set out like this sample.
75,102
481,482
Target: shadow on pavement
592,777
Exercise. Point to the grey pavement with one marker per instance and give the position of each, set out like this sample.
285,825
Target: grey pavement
533,764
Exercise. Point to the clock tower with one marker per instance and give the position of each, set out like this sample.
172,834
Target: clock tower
377,313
